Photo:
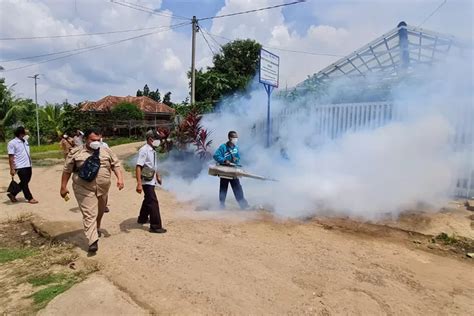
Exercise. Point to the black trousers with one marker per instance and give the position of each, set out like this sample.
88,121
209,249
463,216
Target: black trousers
25,176
238,192
150,208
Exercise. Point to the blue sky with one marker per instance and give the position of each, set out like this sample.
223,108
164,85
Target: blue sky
161,60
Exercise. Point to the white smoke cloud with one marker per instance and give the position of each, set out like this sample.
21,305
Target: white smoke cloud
369,173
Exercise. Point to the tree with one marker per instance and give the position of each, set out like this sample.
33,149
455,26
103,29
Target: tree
155,95
146,90
139,93
232,71
52,118
127,111
74,118
7,107
167,99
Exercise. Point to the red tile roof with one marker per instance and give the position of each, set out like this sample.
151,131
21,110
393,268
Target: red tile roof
145,104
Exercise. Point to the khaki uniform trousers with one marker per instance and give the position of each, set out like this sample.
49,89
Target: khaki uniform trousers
91,205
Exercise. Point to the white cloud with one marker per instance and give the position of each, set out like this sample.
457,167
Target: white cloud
162,60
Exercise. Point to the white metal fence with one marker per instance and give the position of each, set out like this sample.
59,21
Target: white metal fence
333,120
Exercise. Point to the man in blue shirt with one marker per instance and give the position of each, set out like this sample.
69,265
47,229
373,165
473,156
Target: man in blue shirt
228,154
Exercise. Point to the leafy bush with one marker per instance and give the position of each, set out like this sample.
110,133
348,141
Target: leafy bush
190,131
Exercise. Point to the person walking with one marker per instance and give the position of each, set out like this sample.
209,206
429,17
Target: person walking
20,163
147,178
91,166
228,154
66,143
79,138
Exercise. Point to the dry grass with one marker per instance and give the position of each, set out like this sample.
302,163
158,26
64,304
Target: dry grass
34,270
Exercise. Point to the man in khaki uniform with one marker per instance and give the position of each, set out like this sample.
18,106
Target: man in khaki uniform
66,143
91,196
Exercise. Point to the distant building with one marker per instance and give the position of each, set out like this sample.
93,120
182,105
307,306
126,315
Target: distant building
156,114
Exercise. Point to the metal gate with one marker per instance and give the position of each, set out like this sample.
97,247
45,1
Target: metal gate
333,120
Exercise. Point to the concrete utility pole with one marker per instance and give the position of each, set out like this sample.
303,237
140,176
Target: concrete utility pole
193,58
36,101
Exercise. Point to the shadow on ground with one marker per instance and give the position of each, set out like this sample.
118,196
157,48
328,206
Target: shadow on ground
130,224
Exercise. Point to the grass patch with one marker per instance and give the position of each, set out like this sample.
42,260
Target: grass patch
446,239
53,284
121,140
36,274
49,278
42,297
7,255
455,243
47,154
33,148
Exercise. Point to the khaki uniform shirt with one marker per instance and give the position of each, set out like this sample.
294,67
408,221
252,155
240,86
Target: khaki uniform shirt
101,184
66,145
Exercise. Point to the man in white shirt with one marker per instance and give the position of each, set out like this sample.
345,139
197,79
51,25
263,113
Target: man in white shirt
147,178
78,138
20,163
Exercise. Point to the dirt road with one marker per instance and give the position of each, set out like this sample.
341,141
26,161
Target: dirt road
250,263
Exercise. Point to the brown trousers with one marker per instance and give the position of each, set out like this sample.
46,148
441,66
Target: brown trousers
92,208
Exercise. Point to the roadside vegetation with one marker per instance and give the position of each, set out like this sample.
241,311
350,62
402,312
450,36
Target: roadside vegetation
34,269
53,151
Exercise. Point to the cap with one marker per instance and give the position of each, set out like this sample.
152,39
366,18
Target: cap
151,134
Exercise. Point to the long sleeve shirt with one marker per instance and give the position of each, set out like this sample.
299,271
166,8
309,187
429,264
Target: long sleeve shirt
225,152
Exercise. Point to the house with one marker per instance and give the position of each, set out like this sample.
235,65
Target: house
156,114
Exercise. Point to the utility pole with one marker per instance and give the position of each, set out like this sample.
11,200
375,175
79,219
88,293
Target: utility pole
36,101
193,58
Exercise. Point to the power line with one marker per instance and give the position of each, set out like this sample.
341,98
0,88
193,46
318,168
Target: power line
432,13
81,51
76,49
214,40
208,45
282,49
81,34
303,52
251,11
146,9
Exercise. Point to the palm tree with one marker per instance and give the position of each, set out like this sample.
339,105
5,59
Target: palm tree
53,114
8,106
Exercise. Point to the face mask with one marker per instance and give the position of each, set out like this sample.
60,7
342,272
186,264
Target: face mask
64,136
156,143
234,140
26,137
95,145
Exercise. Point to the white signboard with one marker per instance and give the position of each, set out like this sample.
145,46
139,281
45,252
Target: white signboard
269,68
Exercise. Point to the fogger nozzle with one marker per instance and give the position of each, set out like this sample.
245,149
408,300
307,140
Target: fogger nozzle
228,172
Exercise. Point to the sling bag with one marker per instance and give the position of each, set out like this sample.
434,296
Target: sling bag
90,168
149,173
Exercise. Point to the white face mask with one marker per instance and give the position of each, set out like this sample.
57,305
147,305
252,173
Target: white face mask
95,145
156,143
234,140
26,137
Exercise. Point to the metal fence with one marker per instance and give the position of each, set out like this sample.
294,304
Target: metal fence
333,120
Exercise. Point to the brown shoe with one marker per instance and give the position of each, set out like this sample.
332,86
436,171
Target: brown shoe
33,201
12,198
